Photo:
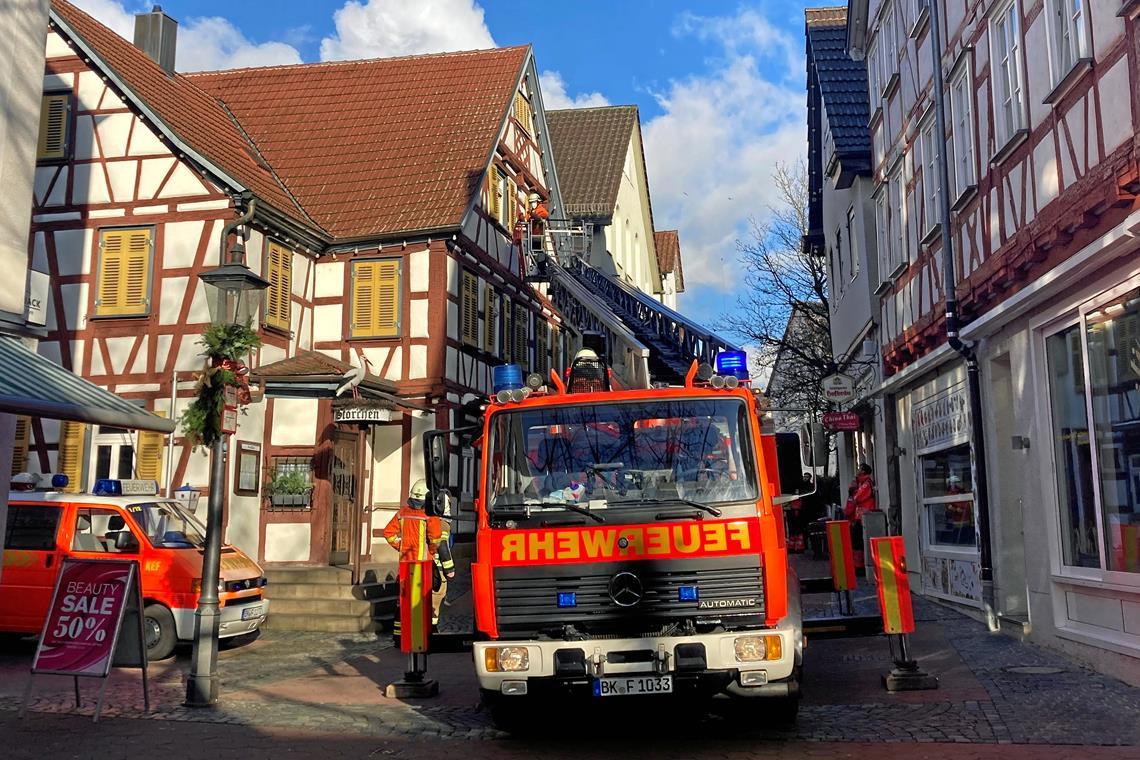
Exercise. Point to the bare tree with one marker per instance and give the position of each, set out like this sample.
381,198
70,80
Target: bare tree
784,309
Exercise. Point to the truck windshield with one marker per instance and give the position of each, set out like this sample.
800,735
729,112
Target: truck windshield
621,456
167,525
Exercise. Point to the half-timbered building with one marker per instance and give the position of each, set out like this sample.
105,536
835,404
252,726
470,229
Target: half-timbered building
384,194
1041,105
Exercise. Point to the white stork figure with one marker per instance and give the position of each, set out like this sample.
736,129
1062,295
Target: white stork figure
355,375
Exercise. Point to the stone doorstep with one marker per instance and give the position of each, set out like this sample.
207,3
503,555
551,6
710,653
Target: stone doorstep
318,606
313,574
323,623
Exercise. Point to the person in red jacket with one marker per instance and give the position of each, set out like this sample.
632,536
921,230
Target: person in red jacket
419,536
860,501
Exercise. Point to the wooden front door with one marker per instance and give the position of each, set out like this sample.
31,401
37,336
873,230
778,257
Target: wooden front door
345,508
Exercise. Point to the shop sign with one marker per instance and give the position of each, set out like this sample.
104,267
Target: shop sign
942,421
838,388
362,414
841,421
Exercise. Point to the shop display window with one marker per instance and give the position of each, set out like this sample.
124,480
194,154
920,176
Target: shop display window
1098,465
947,501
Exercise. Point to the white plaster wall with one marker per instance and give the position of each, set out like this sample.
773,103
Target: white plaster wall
287,542
329,279
418,310
419,271
294,422
1116,113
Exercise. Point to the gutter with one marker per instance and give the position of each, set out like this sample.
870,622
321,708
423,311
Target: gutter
966,350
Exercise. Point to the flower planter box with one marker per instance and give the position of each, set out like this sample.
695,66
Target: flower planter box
289,499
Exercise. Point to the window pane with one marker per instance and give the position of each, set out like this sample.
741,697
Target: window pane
102,462
126,469
946,473
1080,545
31,528
1113,338
950,521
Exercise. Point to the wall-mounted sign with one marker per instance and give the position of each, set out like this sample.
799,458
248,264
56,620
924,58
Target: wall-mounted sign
942,420
36,298
362,414
838,388
841,421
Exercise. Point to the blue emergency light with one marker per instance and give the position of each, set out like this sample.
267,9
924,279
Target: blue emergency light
506,377
567,599
60,481
687,593
113,487
734,363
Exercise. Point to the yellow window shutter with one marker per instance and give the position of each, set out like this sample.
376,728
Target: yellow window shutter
493,191
149,453
387,324
124,272
512,204
20,444
522,111
363,298
508,331
72,443
490,317
522,334
469,309
279,299
54,122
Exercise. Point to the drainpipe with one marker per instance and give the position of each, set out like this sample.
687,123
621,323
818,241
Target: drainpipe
233,224
966,350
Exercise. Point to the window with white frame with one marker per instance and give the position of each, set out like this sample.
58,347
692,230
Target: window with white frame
896,220
930,184
883,232
962,118
875,75
889,48
1067,41
1005,44
947,498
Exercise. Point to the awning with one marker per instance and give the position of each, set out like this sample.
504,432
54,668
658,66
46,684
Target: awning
314,375
33,385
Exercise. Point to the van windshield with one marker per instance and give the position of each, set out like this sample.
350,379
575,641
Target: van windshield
167,525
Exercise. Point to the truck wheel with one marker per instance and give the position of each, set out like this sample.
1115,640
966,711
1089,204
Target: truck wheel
159,632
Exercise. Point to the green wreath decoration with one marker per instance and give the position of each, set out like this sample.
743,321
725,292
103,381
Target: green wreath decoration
226,346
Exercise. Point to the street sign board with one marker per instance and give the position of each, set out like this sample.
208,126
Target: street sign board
841,421
362,413
838,388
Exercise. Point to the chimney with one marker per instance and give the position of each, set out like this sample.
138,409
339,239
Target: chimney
156,35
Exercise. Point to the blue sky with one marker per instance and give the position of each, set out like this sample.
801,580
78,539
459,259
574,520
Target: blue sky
719,86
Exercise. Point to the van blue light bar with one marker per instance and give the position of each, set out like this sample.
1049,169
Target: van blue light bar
734,363
113,487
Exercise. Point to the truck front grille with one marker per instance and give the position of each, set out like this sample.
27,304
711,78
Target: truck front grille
730,591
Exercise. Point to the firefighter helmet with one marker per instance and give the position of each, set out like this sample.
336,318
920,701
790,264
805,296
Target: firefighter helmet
419,490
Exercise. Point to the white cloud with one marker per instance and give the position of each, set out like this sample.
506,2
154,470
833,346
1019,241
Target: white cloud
554,95
212,43
385,28
711,153
203,43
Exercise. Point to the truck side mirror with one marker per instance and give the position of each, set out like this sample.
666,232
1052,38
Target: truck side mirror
436,468
790,466
439,463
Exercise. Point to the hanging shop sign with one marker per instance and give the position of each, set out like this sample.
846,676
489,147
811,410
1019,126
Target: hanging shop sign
363,414
942,420
841,421
838,388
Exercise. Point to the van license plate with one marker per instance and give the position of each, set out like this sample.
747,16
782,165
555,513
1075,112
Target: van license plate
251,612
612,687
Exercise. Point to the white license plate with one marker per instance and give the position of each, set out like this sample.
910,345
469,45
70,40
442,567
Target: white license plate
612,687
251,612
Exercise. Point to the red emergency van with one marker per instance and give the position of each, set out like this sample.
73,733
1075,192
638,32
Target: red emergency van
123,520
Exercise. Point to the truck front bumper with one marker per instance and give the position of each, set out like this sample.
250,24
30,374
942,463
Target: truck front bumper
702,664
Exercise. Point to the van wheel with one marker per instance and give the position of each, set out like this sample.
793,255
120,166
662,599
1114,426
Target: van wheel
159,631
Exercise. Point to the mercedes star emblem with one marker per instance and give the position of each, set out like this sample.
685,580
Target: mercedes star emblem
625,589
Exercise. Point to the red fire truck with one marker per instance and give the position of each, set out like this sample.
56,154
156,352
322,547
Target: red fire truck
628,542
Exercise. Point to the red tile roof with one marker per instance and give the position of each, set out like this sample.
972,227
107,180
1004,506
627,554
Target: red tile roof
196,117
364,149
668,247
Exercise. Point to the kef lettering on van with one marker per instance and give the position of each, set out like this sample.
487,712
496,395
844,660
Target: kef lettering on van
628,542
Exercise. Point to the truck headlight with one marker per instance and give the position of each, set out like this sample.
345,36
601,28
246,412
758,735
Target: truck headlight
757,648
506,659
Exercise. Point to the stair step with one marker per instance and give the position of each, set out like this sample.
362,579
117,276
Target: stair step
308,574
278,589
320,607
321,623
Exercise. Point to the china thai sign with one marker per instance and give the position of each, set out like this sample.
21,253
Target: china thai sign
942,420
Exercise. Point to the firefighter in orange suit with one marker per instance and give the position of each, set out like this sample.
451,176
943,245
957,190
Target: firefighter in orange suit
418,536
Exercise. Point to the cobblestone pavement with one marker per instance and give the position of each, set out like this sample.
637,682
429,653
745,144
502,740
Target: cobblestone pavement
994,690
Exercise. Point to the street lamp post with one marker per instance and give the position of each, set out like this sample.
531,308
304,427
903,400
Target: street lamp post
233,294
